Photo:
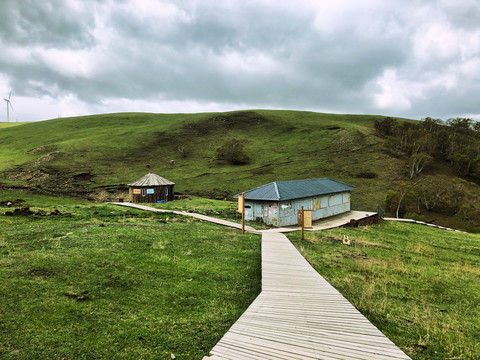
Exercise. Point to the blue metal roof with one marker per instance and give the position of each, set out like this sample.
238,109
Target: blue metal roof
296,189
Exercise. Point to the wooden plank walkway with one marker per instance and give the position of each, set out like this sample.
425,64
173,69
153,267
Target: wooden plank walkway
299,315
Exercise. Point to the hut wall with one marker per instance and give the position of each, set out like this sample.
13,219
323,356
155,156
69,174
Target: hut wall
151,194
253,210
286,213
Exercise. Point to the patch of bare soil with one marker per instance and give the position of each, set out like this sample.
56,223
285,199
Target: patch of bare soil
79,297
43,149
26,211
12,203
42,176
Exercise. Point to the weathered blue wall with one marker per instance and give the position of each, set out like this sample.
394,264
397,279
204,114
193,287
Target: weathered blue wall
285,213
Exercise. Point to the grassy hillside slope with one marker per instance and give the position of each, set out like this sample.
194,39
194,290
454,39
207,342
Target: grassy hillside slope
104,152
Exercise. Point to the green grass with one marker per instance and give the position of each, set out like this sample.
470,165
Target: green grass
110,282
38,200
419,286
201,205
8,124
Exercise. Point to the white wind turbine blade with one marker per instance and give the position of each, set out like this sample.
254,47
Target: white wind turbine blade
9,103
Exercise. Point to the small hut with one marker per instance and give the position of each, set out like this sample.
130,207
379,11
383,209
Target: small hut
151,188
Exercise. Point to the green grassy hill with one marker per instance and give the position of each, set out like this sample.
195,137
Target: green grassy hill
83,155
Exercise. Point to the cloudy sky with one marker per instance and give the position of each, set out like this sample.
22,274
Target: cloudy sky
412,58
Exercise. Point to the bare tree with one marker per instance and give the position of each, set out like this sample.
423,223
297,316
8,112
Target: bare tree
418,163
396,198
432,190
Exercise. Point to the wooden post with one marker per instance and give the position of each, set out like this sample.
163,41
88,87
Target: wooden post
243,214
241,209
303,225
243,223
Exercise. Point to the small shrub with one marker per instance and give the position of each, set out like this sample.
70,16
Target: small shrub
386,127
232,151
367,175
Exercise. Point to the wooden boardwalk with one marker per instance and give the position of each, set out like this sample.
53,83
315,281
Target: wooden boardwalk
299,315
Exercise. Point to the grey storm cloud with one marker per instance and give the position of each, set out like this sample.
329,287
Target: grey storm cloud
49,23
412,59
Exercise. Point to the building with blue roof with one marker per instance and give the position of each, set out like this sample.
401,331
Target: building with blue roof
278,203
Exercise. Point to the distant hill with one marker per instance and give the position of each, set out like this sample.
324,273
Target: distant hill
84,155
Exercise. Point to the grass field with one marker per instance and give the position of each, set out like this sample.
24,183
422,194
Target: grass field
104,282
419,286
226,209
100,281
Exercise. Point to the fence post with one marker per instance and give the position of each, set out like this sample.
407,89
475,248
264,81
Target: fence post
380,211
243,213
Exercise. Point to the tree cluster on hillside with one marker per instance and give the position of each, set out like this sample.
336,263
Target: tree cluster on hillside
431,193
440,194
456,141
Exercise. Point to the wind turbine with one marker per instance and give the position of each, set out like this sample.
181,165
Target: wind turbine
9,104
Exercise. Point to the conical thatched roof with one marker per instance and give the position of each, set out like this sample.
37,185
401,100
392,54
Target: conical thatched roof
151,179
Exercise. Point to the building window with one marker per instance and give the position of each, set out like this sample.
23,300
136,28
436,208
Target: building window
143,192
166,191
320,203
286,208
324,202
335,200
